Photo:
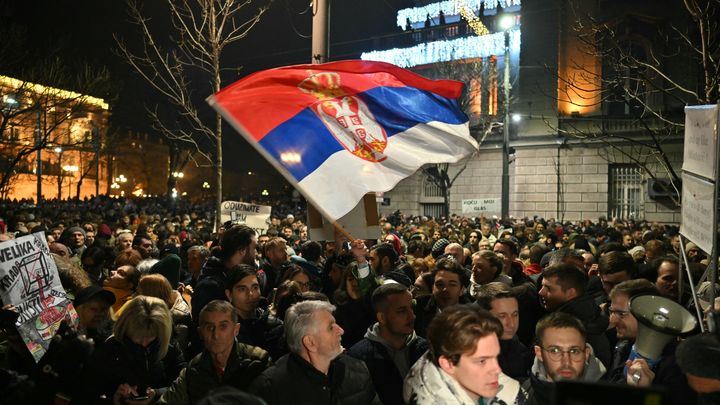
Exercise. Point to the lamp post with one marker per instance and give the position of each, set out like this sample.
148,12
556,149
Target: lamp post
506,22
59,151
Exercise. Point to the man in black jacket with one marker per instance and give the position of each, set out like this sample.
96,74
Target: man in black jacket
390,346
223,362
257,327
315,371
563,290
237,246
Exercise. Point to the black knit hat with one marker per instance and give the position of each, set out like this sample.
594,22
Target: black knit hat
439,247
699,355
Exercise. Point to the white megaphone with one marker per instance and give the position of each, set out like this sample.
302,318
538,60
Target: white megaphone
659,321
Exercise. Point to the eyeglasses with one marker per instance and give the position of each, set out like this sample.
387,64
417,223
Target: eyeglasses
555,353
620,314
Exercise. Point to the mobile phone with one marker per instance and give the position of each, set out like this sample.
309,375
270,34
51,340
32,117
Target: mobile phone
139,398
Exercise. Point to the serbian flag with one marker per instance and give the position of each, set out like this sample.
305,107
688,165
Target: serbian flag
340,130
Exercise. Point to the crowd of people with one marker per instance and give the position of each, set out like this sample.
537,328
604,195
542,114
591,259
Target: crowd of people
451,310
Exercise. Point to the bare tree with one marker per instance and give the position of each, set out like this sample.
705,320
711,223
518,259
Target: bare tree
35,116
201,31
646,82
483,123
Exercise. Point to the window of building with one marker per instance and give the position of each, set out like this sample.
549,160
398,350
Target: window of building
431,189
625,192
434,210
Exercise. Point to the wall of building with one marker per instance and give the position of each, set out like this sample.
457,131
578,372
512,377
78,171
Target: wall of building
583,177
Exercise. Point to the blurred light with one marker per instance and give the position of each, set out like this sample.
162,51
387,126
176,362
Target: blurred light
70,168
184,193
290,157
516,117
205,184
58,149
265,192
507,22
249,173
178,174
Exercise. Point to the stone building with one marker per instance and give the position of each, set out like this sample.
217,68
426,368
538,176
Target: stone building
579,151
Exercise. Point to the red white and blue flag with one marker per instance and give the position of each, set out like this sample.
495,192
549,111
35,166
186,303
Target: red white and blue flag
343,129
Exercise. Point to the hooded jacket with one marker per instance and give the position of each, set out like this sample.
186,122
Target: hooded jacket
428,384
387,365
539,387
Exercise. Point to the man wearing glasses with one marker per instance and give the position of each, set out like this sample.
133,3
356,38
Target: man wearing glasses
561,354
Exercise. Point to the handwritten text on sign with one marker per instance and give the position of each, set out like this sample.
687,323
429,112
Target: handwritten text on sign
481,206
255,216
29,281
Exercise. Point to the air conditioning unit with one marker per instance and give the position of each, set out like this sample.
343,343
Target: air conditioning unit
661,188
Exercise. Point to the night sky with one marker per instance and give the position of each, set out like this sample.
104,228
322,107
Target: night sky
80,32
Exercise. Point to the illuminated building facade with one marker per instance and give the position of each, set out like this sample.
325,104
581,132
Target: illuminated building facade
54,135
557,98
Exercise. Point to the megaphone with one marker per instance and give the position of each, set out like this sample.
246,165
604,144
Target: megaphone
659,321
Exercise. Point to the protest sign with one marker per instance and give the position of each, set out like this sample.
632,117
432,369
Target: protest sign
29,280
255,216
481,206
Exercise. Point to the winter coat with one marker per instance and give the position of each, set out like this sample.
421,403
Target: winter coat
263,331
595,323
515,359
540,387
355,317
124,362
428,384
210,286
292,380
379,359
667,372
201,376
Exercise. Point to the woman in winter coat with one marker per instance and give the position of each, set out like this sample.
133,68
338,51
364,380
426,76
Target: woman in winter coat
137,361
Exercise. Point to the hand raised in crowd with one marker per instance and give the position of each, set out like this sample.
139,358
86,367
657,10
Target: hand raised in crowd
125,393
639,373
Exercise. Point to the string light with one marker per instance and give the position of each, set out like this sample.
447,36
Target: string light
445,51
418,15
473,21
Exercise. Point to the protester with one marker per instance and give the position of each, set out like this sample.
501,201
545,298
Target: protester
390,346
315,371
461,365
223,362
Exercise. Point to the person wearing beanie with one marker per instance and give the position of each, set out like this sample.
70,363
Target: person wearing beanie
699,358
438,248
169,267
74,238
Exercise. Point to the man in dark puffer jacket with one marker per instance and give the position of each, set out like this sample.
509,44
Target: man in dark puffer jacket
315,371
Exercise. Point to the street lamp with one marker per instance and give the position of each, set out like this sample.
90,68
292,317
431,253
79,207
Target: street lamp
506,23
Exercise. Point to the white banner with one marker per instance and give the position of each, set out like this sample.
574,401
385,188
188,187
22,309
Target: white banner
701,137
481,206
698,218
29,280
255,216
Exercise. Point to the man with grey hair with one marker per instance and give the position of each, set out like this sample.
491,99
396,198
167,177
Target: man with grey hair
196,257
315,371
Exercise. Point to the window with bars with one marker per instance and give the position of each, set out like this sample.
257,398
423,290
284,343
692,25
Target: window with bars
430,189
433,210
625,192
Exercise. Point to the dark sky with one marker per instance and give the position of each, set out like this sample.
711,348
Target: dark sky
81,32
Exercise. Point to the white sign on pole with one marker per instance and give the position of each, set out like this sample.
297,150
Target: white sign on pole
698,216
255,216
29,280
701,137
481,206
